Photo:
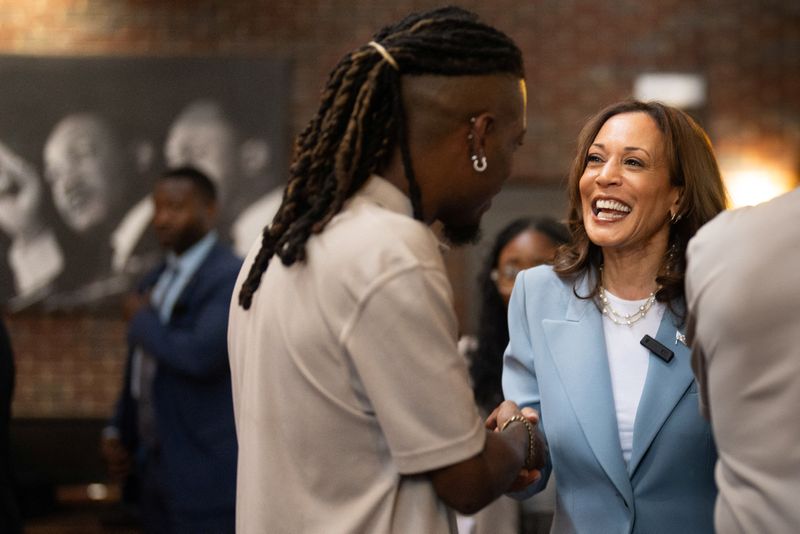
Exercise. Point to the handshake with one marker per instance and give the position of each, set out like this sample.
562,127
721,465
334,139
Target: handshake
503,419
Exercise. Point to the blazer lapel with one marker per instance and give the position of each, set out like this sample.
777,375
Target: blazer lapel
663,388
577,347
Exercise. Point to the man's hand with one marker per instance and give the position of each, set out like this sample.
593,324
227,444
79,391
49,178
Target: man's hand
117,457
505,411
471,484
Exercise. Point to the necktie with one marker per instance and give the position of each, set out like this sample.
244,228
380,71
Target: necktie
158,297
147,364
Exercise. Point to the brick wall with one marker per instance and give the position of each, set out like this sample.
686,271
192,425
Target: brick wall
67,365
580,55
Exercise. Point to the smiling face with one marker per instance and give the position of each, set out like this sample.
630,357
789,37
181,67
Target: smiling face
82,165
625,189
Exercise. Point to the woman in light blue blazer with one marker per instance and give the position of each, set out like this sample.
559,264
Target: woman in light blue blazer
628,447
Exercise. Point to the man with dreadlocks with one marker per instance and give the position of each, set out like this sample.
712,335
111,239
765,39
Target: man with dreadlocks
353,406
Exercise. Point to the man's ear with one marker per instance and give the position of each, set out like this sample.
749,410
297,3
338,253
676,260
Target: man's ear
481,126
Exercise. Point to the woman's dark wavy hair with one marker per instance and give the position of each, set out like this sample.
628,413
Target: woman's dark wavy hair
486,361
361,121
692,166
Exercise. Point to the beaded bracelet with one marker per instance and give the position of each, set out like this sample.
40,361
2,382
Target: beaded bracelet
529,427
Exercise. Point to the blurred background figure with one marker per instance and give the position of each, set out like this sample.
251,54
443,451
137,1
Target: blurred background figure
173,427
9,512
34,255
522,244
203,136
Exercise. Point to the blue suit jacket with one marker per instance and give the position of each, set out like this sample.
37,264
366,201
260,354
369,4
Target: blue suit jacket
556,362
192,397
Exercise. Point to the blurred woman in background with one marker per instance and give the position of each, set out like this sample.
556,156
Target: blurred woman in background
522,244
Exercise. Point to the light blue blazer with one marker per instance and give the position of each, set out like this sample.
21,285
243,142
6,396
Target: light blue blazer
556,362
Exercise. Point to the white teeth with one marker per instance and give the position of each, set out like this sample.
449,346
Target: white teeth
604,204
609,216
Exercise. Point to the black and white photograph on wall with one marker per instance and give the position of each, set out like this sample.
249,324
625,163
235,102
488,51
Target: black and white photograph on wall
81,140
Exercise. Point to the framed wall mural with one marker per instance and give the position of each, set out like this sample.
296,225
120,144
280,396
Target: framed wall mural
81,139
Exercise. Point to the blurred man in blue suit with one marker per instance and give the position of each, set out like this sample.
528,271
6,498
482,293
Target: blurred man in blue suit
173,426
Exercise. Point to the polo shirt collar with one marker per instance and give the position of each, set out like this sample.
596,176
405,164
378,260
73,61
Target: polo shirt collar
385,194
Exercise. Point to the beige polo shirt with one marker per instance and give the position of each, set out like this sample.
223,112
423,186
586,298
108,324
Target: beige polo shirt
743,289
347,381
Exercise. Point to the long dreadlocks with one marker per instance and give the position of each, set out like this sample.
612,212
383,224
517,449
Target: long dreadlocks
361,120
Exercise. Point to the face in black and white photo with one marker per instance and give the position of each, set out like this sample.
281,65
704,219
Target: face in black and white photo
203,137
83,165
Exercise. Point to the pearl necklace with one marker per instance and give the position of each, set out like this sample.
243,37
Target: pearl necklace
624,318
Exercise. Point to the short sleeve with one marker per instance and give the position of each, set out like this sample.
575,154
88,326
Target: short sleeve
403,346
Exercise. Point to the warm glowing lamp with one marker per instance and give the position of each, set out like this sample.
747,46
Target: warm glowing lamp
754,184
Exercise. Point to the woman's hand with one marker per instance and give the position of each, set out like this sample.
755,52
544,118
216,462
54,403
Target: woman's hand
505,411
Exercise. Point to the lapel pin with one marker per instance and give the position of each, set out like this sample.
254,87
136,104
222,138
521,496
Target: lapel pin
680,337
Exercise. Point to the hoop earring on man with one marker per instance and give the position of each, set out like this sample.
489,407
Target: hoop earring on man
479,164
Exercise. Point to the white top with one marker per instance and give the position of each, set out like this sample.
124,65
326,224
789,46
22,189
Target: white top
628,361
347,380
